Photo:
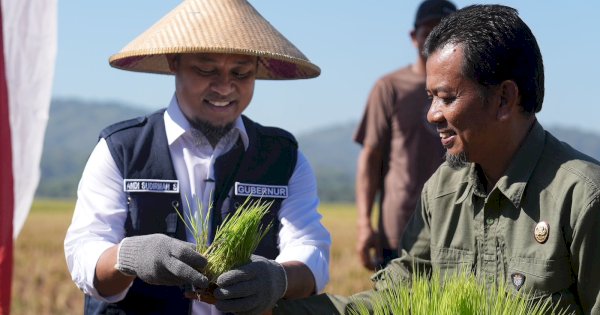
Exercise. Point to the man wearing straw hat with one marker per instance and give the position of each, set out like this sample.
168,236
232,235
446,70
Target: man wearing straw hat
126,249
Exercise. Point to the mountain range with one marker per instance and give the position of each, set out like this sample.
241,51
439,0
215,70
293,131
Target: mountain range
74,125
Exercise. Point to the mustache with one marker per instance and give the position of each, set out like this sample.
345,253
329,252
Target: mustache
221,98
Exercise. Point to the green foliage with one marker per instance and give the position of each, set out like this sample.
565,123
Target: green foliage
235,239
458,293
198,224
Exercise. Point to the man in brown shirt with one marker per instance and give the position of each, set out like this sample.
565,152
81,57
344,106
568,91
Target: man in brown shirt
400,148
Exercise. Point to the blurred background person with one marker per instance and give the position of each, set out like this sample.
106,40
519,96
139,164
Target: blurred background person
400,149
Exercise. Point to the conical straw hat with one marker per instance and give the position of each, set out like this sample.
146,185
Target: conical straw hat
215,26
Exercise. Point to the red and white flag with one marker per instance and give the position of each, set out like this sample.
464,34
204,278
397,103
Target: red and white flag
28,51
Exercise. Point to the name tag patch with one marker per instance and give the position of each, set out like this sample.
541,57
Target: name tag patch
151,185
257,190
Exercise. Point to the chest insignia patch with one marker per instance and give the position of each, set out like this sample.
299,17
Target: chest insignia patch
151,185
258,190
541,232
518,279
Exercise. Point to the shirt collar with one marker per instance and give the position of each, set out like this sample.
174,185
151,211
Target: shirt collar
512,184
176,124
519,171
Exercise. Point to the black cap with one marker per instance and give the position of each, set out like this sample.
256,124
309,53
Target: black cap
433,10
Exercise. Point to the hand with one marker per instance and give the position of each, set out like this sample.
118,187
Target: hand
367,241
161,260
252,288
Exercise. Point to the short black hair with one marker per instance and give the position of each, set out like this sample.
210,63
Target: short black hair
497,46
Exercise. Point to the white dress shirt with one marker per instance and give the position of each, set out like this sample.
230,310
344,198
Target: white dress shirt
101,209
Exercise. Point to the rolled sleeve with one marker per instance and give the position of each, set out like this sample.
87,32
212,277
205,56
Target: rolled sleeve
83,275
314,258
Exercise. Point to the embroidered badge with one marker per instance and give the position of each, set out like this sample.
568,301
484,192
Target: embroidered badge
257,190
518,279
541,232
151,185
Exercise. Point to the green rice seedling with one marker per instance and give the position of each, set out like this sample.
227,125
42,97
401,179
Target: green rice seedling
458,293
198,224
235,239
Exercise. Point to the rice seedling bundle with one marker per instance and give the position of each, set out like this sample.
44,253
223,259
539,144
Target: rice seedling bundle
459,293
235,239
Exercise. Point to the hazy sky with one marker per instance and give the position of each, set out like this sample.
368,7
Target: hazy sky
353,42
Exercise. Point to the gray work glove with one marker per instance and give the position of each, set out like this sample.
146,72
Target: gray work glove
252,288
161,260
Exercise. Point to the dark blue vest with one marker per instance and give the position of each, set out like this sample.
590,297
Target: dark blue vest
140,150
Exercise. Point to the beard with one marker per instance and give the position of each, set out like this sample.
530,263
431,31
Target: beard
456,161
211,132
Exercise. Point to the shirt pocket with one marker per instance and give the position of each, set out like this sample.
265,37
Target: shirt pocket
542,279
151,212
452,261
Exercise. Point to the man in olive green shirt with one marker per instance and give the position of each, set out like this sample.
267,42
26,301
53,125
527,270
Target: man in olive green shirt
511,203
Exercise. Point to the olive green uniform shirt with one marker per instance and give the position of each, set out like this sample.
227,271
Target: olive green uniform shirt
458,225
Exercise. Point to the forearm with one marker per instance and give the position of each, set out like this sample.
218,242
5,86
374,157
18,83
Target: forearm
300,280
108,280
365,196
368,182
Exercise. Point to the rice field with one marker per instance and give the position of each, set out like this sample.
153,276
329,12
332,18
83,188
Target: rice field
42,285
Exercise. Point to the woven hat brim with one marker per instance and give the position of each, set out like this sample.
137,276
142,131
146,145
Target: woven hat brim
208,26
270,66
